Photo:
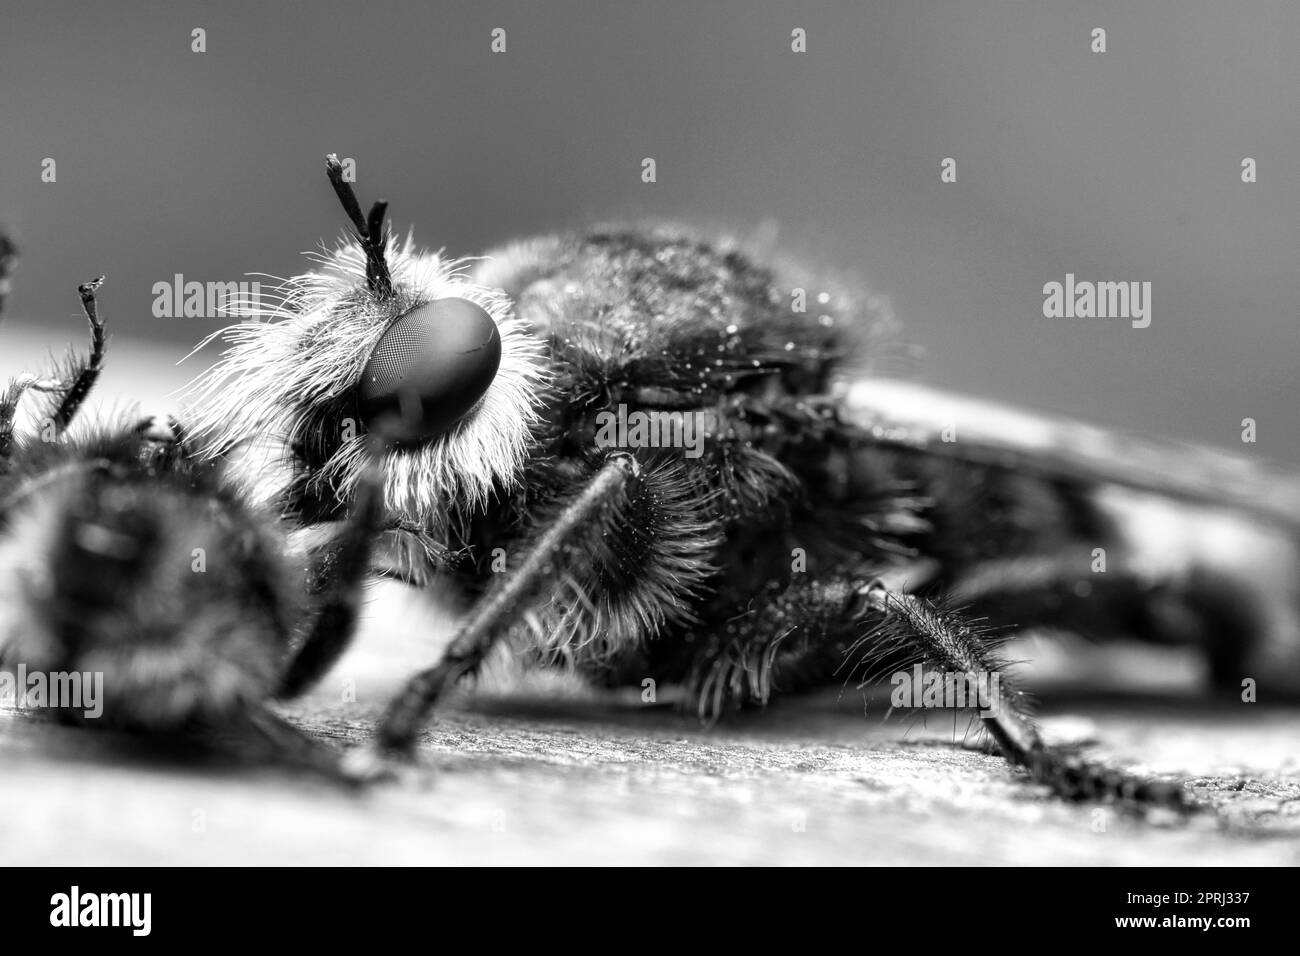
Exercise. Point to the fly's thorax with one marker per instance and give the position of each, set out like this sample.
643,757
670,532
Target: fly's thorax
658,308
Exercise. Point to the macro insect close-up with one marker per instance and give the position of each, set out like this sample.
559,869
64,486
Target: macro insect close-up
548,471
607,519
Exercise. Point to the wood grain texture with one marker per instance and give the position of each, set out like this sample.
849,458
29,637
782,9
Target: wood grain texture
528,780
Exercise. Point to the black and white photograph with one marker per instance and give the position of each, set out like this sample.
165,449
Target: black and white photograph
720,434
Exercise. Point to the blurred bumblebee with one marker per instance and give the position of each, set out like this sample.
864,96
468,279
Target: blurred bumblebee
801,524
124,555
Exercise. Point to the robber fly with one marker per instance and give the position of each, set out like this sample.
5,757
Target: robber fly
123,554
808,529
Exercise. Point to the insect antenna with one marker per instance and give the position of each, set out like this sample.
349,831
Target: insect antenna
406,713
85,372
369,230
73,389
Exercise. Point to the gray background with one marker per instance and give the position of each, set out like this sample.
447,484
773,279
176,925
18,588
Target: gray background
1117,166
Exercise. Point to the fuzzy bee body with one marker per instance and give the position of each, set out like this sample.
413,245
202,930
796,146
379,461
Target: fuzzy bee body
126,560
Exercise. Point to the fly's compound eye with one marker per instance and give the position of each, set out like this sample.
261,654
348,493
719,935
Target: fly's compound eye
444,353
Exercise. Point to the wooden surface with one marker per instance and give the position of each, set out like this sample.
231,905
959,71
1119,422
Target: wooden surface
554,774
631,788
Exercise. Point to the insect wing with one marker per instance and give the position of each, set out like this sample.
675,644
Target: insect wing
933,421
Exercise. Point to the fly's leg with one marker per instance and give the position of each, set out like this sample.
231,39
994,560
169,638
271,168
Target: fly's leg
292,747
795,638
945,640
329,631
340,575
500,607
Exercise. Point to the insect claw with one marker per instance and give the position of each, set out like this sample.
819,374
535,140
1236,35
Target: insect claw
88,289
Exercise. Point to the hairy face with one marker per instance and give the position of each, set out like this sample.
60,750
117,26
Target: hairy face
291,392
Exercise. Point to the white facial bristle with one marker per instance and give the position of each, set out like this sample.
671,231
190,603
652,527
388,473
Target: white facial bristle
309,347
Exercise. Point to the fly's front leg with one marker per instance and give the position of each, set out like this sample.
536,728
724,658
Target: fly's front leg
341,575
499,608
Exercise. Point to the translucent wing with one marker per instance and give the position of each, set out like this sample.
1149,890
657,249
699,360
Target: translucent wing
945,423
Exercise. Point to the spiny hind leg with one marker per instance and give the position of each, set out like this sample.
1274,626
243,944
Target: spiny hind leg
799,636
